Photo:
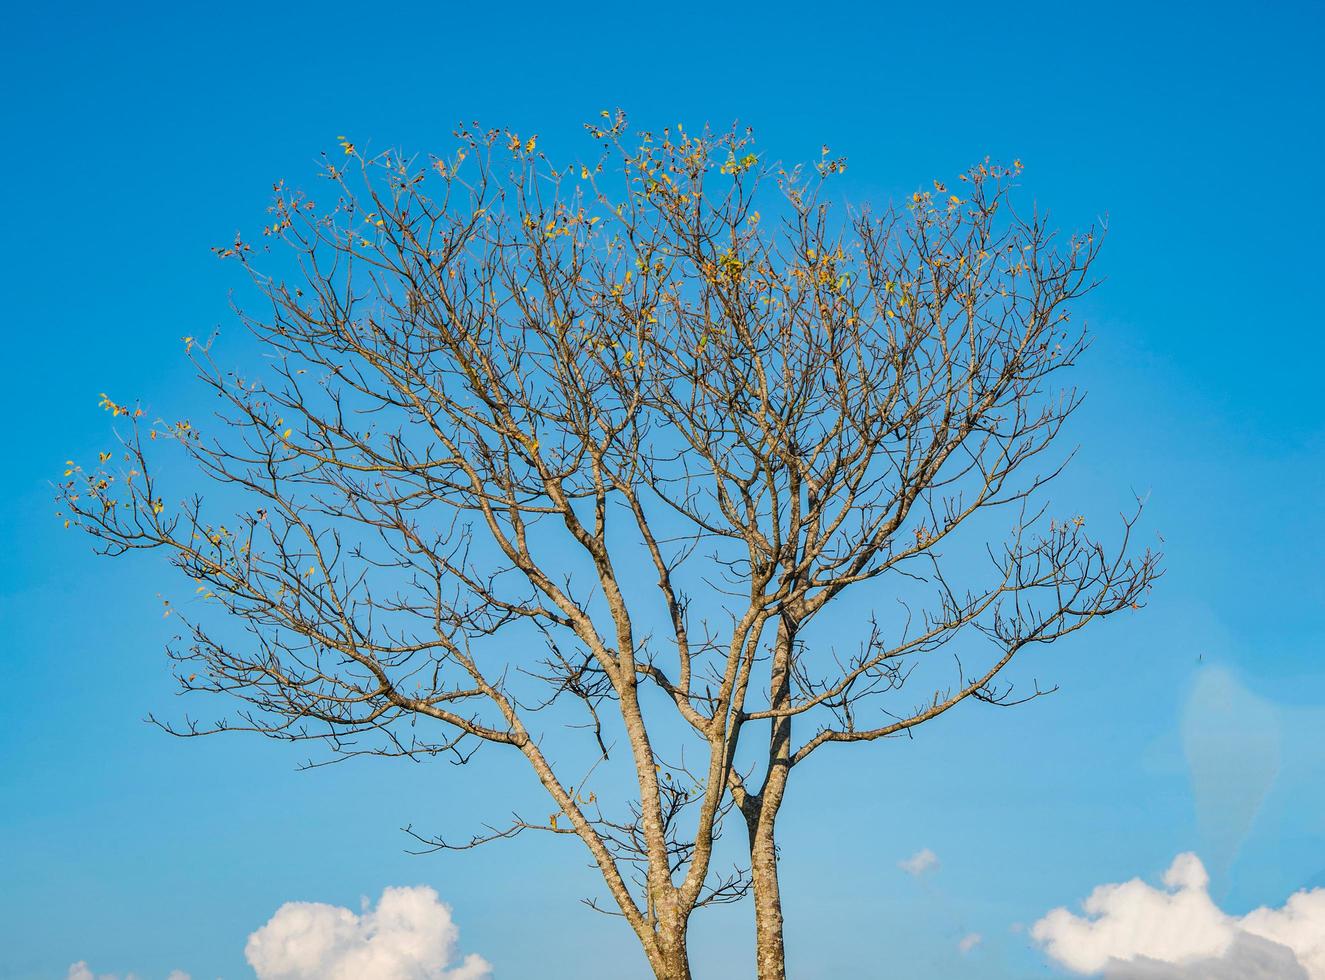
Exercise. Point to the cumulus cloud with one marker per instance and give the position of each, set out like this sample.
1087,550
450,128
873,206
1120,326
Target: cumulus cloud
1133,931
920,862
1248,957
409,936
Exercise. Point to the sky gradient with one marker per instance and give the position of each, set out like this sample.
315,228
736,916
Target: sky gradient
139,136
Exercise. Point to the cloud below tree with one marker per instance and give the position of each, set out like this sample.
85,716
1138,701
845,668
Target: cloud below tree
410,935
1134,931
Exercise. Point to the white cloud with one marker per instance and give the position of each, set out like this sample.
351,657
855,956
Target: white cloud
409,936
81,971
919,862
1133,931
969,941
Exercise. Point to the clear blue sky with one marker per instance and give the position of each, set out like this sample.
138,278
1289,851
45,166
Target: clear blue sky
137,136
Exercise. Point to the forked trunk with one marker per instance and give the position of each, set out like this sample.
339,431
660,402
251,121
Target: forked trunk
672,959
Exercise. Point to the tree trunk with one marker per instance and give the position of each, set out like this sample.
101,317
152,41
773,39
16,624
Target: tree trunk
672,958
770,954
761,817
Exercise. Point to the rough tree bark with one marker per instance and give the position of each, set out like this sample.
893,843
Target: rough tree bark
770,953
761,812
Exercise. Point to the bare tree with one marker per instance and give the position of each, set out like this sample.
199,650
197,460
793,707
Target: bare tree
602,437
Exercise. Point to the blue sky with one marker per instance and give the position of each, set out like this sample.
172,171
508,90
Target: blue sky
139,136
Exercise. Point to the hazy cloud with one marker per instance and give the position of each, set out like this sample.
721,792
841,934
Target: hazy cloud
970,941
920,862
1133,931
1233,741
409,936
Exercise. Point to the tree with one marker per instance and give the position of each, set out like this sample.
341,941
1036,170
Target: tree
572,460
